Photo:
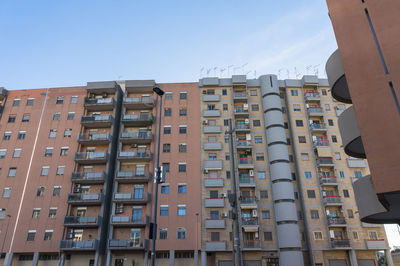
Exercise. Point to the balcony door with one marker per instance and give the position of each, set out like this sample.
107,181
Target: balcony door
138,193
137,214
135,237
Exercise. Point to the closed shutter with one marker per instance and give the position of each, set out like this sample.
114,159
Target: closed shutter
337,263
366,262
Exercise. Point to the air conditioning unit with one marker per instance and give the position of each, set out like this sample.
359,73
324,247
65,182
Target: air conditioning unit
224,195
251,172
204,92
205,122
224,214
254,213
119,209
69,236
205,171
256,234
246,121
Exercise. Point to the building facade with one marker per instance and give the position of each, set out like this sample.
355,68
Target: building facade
77,167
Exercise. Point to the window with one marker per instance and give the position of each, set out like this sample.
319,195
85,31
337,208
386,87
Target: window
265,214
350,213
182,167
164,189
211,107
296,195
346,193
293,176
163,210
182,129
48,234
31,235
36,213
181,233
182,147
56,190
334,139
182,188
261,175
259,156
307,174
355,235
3,213
183,112
323,92
56,116
253,92
166,147
318,235
305,157
167,112
357,173
294,92
70,115
183,95
21,135
167,129
327,107
7,135
60,170
29,101
163,233
53,133
337,156
16,102
166,167
6,192
214,236
291,158
299,123
264,194
74,99
64,151
67,132
285,125
45,170
267,236
17,153
11,118
314,214
212,156
40,191
168,96
214,215
255,107
12,171
48,152
256,123
60,100
311,194
227,156
372,235
224,92
296,107
228,174
341,174
26,117
225,107
3,153
330,122
257,139
284,110
302,139
181,210
52,212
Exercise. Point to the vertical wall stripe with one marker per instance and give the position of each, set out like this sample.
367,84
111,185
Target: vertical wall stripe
396,100
27,173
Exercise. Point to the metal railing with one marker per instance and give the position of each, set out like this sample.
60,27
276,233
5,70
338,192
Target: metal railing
134,117
138,100
248,199
242,126
99,101
81,220
315,110
340,242
251,244
328,180
130,196
134,154
78,244
84,197
332,199
321,143
245,161
88,175
243,143
246,180
318,126
126,243
97,118
128,219
90,155
333,220
136,135
237,95
324,160
131,174
95,136
249,221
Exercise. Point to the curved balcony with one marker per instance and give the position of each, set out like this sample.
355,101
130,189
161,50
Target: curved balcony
134,156
136,120
91,157
75,245
129,221
94,139
337,78
82,221
128,244
137,103
136,137
350,133
88,177
97,121
102,104
131,198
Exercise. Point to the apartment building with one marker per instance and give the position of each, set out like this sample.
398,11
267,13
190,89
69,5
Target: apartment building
365,72
294,182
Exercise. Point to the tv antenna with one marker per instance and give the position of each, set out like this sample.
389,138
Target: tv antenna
279,73
255,74
244,66
229,69
222,71
316,71
201,72
308,68
208,71
215,71
288,73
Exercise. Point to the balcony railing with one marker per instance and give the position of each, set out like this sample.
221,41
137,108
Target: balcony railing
82,198
138,102
248,199
328,180
136,137
251,244
312,96
243,144
245,161
88,177
214,202
99,101
321,143
215,223
215,246
97,119
340,243
331,199
249,221
318,126
131,197
325,161
377,244
81,221
99,104
243,127
137,120
126,244
332,220
96,138
239,95
132,177
241,111
83,245
213,182
315,110
129,220
134,155
247,180
91,157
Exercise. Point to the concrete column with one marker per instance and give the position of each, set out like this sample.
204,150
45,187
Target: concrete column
96,259
146,259
171,257
109,258
196,258
35,260
203,258
353,258
62,260
389,259
8,259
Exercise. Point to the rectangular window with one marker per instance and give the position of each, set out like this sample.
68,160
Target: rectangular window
167,112
3,153
294,92
355,235
296,107
11,118
181,210
163,233
337,156
314,214
164,189
74,99
56,116
167,130
36,213
48,235
182,129
40,191
60,170
255,107
257,139
7,135
330,122
16,102
183,112
302,139
265,214
182,189
334,139
12,171
323,92
214,236
56,190
166,147
267,236
311,194
357,173
21,135
48,152
224,92
225,107
350,213
182,147
6,192
346,193
52,212
182,167
317,235
3,213
261,175
64,151
26,117
53,133
166,167
29,101
183,95
45,171
305,157
60,100
71,116
307,175
259,156
163,210
31,235
327,107
341,174
17,153
181,233
256,123
253,92
67,132
299,123
168,96
212,156
264,194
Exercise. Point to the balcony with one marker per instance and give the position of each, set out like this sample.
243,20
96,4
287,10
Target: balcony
136,137
312,96
250,224
214,203
3,93
212,113
215,246
328,181
215,224
244,144
88,177
240,96
320,143
213,182
248,202
340,243
131,198
350,133
245,163
137,103
130,177
315,111
129,221
75,245
211,98
91,157
134,156
377,244
85,199
332,200
336,221
128,244
243,128
213,165
212,146
102,104
251,244
136,120
241,111
211,129
247,181
102,87
356,163
337,79
94,139
97,121
325,162
318,127
82,221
